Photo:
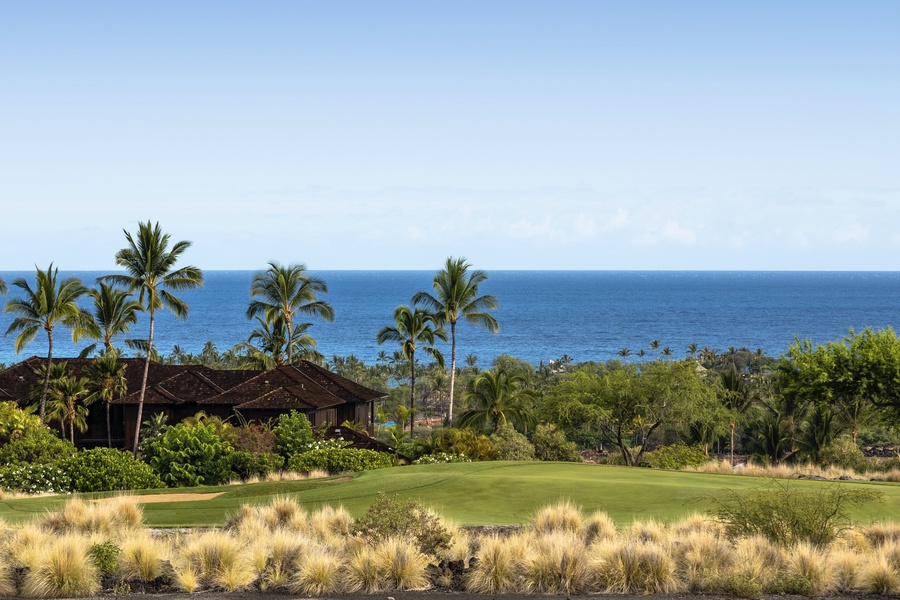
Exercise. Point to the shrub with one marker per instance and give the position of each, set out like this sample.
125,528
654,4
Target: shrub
190,455
63,570
843,453
786,515
246,464
36,479
105,556
551,444
15,422
676,457
337,460
293,434
440,458
511,445
253,437
452,441
389,517
39,445
107,469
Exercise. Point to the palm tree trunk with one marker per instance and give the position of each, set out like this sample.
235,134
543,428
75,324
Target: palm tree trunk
412,393
452,371
108,428
732,443
72,426
47,374
140,413
290,337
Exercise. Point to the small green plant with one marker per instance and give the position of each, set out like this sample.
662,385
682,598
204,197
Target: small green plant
190,455
389,517
105,556
512,445
550,443
786,515
843,452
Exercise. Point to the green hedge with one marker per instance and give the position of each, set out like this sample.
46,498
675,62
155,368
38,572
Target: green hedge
337,460
36,478
106,469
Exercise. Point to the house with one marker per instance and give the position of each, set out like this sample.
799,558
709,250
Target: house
180,391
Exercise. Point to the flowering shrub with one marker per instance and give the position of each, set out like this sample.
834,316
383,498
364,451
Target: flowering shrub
441,457
253,437
36,478
246,464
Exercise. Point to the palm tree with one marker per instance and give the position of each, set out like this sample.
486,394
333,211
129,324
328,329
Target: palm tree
414,329
108,382
3,289
498,397
692,350
736,398
284,292
624,352
455,296
65,394
52,302
267,346
149,262
654,345
667,352
115,311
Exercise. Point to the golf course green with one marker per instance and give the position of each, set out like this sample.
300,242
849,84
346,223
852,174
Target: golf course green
484,493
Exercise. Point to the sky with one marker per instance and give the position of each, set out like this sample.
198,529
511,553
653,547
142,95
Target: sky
391,135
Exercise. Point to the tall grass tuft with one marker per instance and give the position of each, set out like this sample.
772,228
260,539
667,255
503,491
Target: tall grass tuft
26,545
218,560
599,526
110,517
650,530
883,532
7,584
879,576
497,569
404,567
64,570
846,567
331,525
704,559
141,558
562,516
364,571
556,564
809,565
284,513
634,568
318,573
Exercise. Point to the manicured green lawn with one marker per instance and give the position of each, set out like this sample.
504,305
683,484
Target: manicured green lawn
489,493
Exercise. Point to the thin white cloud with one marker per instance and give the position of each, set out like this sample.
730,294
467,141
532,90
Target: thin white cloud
673,232
854,234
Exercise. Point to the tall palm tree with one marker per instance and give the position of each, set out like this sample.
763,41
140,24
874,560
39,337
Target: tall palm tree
149,265
624,352
498,397
414,329
285,291
456,296
692,350
50,303
654,345
114,312
108,381
268,345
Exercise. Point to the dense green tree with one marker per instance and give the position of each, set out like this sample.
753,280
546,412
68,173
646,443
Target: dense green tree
414,329
150,271
497,397
456,296
114,312
107,380
283,292
50,303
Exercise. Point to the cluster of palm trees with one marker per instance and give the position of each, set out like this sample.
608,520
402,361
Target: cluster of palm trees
418,326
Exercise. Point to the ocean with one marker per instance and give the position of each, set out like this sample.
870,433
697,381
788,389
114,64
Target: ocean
588,315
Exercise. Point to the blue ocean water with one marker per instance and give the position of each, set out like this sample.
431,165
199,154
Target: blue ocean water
589,315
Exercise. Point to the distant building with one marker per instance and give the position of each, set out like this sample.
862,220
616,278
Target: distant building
180,391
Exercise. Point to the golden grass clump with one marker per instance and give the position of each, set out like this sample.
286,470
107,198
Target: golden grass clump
363,571
632,567
63,570
26,545
218,560
141,558
331,525
599,526
556,564
275,557
704,559
317,573
846,568
810,564
562,516
498,565
283,512
650,530
757,560
7,584
109,517
882,533
404,567
879,576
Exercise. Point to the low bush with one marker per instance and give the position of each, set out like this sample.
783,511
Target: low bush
676,457
105,556
246,464
440,458
844,453
338,460
786,515
191,455
253,437
40,445
107,469
389,517
36,478
550,443
512,445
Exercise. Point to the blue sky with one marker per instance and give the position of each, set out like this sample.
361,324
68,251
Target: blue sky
390,135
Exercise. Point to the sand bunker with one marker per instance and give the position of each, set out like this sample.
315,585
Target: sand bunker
150,498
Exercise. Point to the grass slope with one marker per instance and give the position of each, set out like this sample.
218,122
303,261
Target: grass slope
488,493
